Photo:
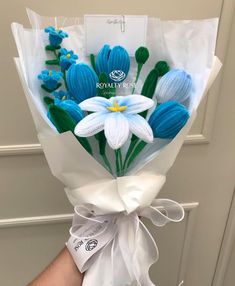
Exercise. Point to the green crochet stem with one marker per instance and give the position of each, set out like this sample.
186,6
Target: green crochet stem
134,141
148,90
134,153
56,61
139,68
92,60
102,146
118,155
64,122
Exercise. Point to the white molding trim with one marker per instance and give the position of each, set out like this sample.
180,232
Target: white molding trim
35,220
226,247
20,149
190,209
60,218
36,148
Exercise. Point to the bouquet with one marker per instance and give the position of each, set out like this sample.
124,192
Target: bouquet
111,124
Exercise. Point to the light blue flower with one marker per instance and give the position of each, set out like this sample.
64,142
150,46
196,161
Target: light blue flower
56,36
50,78
82,82
72,108
174,85
118,117
115,63
67,58
168,119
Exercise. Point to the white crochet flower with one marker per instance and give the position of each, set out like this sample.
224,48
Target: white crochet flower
118,118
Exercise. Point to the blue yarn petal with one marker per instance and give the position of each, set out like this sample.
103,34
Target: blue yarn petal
102,60
175,85
72,108
82,82
168,119
119,60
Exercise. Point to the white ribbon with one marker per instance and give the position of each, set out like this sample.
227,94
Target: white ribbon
117,249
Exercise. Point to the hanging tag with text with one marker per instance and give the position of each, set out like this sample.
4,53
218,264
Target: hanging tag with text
128,31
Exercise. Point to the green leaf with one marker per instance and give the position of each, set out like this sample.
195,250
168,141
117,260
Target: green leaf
48,100
50,90
52,62
64,122
52,48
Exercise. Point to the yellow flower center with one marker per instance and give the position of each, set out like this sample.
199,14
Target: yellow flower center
116,107
50,73
68,56
64,97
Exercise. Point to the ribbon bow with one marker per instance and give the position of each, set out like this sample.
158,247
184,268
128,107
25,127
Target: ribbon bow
117,249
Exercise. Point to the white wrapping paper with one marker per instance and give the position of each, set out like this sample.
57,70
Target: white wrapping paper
189,45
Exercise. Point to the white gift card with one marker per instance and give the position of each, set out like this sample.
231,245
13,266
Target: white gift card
125,30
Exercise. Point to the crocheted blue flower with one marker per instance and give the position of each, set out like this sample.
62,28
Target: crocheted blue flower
168,119
115,63
81,81
56,36
175,85
50,78
67,58
72,108
61,95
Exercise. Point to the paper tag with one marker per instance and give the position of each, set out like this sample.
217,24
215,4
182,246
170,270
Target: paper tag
125,30
90,242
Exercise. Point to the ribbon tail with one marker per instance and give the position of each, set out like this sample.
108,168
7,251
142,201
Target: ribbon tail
146,254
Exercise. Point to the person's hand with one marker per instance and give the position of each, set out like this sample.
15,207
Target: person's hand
61,272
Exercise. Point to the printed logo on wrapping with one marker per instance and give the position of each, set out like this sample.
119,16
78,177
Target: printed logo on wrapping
117,75
91,244
115,81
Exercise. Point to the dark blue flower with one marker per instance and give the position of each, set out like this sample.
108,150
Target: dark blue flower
115,63
168,119
56,36
50,78
67,58
72,108
81,81
61,95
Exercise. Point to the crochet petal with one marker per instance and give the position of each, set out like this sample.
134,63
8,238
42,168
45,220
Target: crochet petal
95,104
90,125
102,60
140,127
136,103
116,129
